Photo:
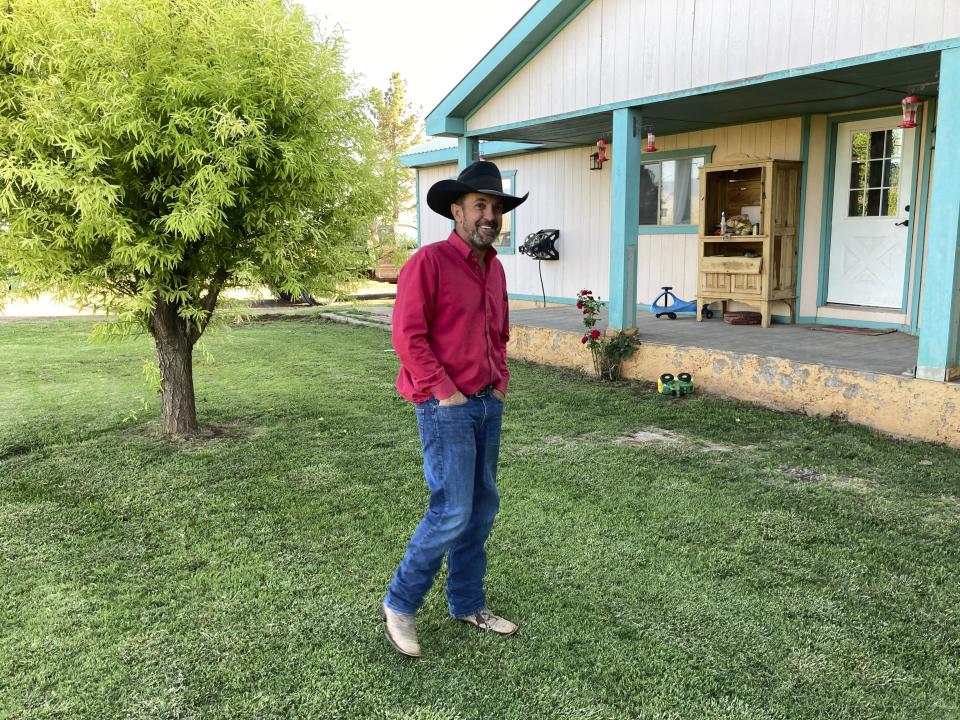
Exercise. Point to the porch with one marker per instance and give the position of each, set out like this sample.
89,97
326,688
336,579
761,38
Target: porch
914,276
890,354
865,379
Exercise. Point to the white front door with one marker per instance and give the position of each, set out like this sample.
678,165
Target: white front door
871,197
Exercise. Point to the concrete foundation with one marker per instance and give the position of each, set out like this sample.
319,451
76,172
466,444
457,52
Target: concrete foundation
901,406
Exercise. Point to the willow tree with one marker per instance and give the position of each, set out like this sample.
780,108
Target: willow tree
156,153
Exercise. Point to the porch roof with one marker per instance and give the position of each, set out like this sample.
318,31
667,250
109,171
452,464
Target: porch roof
837,88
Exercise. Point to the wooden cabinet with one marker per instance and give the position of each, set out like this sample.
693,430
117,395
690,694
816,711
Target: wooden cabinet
754,269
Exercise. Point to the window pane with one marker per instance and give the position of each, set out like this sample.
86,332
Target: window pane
873,202
875,176
860,146
856,204
858,175
894,142
668,170
891,173
695,166
682,195
889,202
506,234
650,194
878,139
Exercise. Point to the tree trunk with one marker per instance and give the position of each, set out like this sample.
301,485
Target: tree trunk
175,353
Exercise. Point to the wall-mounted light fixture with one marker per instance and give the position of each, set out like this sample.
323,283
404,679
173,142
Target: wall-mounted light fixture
909,105
598,158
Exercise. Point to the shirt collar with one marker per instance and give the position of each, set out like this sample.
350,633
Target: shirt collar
463,247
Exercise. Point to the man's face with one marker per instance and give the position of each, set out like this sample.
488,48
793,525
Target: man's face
478,219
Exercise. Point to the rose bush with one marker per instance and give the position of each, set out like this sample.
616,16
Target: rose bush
608,352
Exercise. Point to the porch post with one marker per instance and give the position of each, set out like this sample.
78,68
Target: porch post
940,306
468,150
625,208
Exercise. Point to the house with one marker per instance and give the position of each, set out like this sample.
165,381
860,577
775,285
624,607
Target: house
671,87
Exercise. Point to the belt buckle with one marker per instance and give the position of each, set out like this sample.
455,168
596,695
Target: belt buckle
484,391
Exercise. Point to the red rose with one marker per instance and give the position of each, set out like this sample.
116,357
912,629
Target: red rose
586,311
584,292
584,339
594,334
579,303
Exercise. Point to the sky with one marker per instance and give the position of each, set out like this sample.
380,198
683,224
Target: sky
431,45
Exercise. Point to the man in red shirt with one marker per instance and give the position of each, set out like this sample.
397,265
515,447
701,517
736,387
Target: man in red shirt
450,331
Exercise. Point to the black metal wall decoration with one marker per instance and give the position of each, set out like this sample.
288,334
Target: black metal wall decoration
541,245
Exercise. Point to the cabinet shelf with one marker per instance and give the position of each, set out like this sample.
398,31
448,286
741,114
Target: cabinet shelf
753,269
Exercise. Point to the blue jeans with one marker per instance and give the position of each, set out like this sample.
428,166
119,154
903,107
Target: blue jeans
461,445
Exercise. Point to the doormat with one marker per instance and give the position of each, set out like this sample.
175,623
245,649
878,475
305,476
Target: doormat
853,330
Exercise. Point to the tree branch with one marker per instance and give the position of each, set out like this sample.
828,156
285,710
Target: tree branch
209,302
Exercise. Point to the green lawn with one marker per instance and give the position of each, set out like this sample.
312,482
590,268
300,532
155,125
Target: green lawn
805,569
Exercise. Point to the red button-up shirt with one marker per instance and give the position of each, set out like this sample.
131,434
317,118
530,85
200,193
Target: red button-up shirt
450,322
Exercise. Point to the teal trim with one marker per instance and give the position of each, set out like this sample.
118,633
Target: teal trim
668,229
706,151
826,220
512,248
432,157
805,159
826,214
625,212
922,203
719,87
468,151
419,236
911,226
940,305
539,298
546,41
510,54
491,149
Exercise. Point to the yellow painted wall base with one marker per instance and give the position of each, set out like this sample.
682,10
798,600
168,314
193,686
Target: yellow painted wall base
902,406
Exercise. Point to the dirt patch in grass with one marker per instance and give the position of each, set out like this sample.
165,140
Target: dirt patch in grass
13,451
658,436
841,482
208,436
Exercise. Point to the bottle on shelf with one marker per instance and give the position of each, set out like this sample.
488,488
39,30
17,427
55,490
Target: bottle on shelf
723,223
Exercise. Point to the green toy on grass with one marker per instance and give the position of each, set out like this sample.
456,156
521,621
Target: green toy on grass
675,387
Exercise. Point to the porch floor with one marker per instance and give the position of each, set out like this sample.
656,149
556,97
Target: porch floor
891,354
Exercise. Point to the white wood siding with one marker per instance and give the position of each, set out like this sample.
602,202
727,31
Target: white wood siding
617,50
564,194
433,227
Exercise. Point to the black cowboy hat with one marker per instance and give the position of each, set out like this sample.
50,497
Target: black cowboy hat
481,176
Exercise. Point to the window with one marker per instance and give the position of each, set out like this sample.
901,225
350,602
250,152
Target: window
505,243
670,192
875,172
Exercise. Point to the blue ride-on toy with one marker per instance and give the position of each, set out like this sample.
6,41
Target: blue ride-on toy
667,303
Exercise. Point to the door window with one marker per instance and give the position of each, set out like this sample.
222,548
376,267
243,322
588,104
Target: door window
874,172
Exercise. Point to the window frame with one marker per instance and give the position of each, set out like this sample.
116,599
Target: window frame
512,248
656,157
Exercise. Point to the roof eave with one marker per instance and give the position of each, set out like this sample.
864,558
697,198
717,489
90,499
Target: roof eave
511,53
